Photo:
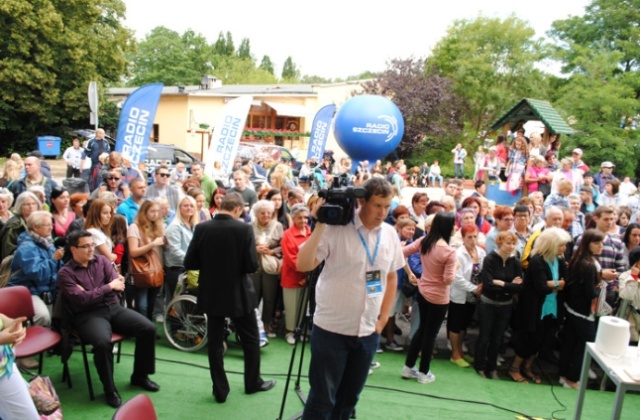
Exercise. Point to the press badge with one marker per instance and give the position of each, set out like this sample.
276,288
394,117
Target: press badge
374,283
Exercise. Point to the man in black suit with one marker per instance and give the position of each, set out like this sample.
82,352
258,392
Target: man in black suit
224,250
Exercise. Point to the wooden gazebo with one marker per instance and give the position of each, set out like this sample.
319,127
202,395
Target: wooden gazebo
533,109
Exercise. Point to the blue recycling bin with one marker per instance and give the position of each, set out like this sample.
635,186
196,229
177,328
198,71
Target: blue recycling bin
49,146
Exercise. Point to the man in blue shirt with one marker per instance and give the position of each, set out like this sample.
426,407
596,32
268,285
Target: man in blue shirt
129,207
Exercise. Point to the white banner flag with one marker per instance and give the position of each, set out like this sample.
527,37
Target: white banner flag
226,135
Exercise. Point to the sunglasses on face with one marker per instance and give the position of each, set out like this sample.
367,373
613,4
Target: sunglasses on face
164,175
111,178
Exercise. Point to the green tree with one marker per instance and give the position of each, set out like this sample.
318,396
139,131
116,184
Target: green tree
427,103
290,72
49,51
307,78
266,64
600,53
224,45
492,65
233,71
244,50
607,25
173,59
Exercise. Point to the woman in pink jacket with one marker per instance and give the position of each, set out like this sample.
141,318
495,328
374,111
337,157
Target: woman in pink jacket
438,272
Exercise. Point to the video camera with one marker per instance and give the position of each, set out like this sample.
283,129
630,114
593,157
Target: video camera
340,203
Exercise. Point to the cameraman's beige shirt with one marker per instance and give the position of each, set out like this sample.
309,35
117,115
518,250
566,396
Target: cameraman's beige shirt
343,306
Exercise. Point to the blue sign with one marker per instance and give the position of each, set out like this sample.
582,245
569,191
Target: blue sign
136,122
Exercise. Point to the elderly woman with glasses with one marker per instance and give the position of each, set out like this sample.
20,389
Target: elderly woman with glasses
268,232
35,264
25,204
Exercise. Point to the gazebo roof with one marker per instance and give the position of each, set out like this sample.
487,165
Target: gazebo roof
534,109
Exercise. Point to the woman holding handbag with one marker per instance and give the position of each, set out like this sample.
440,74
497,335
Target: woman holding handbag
145,238
268,233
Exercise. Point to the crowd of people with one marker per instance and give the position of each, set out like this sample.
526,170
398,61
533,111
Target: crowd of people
544,269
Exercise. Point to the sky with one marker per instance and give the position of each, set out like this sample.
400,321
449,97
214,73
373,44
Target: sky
337,39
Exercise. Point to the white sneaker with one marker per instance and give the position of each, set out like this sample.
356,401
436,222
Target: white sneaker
370,371
592,374
160,318
409,373
375,365
425,378
264,341
290,338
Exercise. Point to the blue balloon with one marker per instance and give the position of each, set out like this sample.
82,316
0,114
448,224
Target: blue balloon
368,127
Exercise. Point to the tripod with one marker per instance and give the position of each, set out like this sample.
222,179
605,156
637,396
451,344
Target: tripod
304,320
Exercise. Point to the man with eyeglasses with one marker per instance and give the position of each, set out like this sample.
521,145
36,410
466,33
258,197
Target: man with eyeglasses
162,188
90,286
113,183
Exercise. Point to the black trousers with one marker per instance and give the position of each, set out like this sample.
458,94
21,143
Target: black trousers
73,172
577,331
247,328
431,318
95,328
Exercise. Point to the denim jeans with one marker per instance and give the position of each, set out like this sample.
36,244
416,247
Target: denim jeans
337,373
433,178
146,301
458,169
493,321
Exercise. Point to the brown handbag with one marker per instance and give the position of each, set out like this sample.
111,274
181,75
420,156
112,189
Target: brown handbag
146,270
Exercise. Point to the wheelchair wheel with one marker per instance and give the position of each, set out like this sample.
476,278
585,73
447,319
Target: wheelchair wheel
184,326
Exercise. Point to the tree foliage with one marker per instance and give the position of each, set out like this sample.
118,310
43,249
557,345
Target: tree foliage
267,65
491,62
167,57
224,45
244,50
426,100
600,53
49,51
290,72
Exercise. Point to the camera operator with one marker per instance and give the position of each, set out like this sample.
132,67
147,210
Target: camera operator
354,295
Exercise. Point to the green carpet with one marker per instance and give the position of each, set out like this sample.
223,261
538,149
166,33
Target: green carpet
456,394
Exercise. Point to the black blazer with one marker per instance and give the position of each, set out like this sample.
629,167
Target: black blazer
224,250
534,292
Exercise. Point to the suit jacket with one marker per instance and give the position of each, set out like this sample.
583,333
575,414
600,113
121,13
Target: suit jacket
224,250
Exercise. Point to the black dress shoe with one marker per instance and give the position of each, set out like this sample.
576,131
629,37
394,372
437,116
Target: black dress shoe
266,385
145,383
113,399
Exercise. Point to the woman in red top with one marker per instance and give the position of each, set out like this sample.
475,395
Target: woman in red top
292,280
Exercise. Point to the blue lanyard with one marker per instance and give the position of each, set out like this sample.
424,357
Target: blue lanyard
371,258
